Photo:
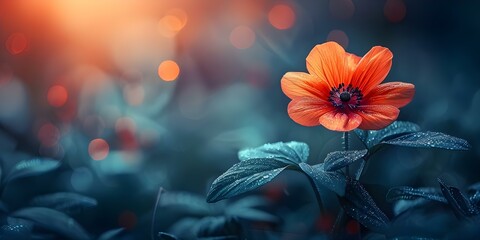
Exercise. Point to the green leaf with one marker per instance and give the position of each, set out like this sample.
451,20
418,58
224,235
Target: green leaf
32,167
53,221
334,181
339,159
374,137
290,152
245,176
429,140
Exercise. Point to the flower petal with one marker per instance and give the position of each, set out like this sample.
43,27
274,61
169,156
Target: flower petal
352,61
375,117
306,110
339,121
299,84
328,62
372,69
397,94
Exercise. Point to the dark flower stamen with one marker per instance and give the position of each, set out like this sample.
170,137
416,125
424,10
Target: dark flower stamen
348,97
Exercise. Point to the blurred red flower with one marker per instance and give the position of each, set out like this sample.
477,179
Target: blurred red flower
342,91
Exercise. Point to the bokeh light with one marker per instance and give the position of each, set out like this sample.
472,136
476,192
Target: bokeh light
16,43
168,70
81,179
57,95
174,21
127,219
98,149
281,16
48,134
242,37
395,10
338,36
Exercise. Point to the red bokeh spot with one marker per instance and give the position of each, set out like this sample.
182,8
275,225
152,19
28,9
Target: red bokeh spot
16,43
338,36
48,135
352,227
98,149
57,96
125,129
325,223
281,16
274,192
395,10
127,220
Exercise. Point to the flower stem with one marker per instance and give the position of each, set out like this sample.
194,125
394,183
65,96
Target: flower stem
342,217
346,147
317,195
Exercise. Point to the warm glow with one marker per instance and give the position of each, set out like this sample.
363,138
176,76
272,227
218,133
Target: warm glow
395,10
168,70
242,37
281,16
16,43
174,21
98,149
57,96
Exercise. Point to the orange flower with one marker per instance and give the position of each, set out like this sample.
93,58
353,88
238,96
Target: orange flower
342,91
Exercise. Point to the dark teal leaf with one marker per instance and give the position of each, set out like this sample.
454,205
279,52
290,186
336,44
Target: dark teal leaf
243,177
252,214
409,193
166,236
374,137
401,205
339,159
65,202
334,181
430,140
111,234
32,167
218,227
221,238
185,201
245,209
459,202
53,221
474,193
358,204
19,231
290,152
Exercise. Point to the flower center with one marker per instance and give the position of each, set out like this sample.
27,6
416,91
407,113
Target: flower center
345,97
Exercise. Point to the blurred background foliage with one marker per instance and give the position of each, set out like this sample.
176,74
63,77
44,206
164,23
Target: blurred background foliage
131,96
